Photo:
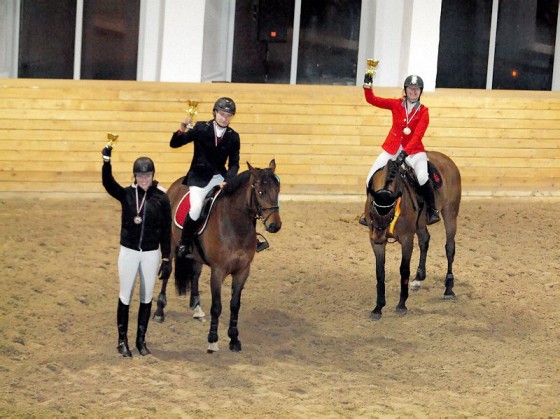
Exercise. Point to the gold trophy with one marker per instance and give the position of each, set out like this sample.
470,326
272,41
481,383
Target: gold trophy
191,111
371,70
112,139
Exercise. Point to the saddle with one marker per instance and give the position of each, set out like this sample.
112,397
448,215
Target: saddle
433,174
185,205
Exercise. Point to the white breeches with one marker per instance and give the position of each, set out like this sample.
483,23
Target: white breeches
197,196
418,162
146,265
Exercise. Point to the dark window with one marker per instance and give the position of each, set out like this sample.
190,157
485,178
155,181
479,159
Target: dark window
525,43
463,43
110,39
328,43
46,39
524,51
262,48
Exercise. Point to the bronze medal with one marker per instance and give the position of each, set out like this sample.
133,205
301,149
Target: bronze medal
138,219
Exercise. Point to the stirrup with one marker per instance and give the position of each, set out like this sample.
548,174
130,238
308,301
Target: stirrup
184,251
432,216
363,220
262,245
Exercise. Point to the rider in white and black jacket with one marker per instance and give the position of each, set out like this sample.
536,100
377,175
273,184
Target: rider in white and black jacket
215,144
145,229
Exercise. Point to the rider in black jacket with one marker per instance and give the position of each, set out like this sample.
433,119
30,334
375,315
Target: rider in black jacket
145,229
215,143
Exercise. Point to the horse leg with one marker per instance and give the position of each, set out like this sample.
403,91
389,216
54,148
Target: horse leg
237,284
159,315
423,244
450,231
195,293
216,279
407,246
379,251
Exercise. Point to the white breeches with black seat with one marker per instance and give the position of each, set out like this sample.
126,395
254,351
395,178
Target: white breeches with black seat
197,196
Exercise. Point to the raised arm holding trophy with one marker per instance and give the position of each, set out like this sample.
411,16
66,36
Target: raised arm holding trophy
188,123
370,72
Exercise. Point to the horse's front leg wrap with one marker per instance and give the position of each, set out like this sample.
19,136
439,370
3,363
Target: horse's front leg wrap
379,251
405,275
213,333
233,332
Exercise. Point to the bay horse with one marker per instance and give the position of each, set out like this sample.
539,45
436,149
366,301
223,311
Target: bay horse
395,211
227,244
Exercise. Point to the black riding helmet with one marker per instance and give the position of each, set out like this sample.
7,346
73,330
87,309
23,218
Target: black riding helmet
143,165
225,104
414,80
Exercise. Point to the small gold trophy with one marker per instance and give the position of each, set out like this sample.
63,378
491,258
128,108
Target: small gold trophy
191,111
112,139
371,70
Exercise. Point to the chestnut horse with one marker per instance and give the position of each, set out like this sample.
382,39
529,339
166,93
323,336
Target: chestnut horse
395,211
227,244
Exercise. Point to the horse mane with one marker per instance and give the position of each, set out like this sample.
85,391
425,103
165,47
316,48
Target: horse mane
392,170
242,178
233,185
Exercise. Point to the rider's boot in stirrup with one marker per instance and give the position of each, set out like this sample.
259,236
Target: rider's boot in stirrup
187,237
432,214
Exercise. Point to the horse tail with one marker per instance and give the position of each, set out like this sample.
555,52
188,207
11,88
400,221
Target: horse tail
184,273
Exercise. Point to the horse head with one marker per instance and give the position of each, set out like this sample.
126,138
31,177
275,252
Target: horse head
384,192
265,191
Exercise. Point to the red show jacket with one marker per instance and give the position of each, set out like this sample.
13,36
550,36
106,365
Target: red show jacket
411,143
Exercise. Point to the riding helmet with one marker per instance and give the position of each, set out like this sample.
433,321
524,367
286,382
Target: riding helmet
143,165
225,104
414,80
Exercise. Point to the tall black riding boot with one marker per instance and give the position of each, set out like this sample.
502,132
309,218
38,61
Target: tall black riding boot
187,236
143,319
122,326
432,214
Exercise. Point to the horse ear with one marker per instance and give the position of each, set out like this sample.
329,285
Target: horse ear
272,165
249,166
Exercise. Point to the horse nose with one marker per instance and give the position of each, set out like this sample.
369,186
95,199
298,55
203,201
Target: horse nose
274,227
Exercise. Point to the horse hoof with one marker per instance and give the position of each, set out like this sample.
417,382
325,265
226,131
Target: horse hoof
415,285
375,316
449,297
158,318
198,313
212,347
402,311
235,346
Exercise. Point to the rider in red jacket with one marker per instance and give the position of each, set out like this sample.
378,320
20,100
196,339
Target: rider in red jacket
410,121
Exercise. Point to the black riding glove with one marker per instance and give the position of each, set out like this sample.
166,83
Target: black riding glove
368,80
165,269
106,153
